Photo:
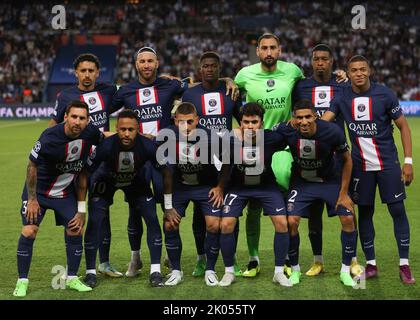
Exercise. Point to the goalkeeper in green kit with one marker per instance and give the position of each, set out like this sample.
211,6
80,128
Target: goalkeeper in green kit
270,83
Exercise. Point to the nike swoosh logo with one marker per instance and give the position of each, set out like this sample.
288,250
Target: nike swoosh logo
212,110
269,90
405,240
148,199
278,210
144,101
213,211
318,103
398,195
348,248
359,117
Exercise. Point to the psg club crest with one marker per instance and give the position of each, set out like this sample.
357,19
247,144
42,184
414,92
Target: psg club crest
322,95
212,103
37,146
307,149
361,107
290,207
74,150
271,83
126,161
92,100
226,209
146,92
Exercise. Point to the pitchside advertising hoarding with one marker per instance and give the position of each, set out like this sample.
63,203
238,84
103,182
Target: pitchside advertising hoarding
44,110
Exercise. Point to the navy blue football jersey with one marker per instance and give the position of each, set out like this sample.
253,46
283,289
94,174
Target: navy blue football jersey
60,159
214,108
321,94
99,101
313,157
369,121
122,167
253,168
192,160
152,103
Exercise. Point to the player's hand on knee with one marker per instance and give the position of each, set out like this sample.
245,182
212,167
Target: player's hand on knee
172,217
33,211
216,196
76,224
407,174
345,201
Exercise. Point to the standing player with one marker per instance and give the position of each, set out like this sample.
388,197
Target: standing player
270,83
152,98
315,178
195,179
124,156
215,110
99,98
321,88
253,179
55,161
368,109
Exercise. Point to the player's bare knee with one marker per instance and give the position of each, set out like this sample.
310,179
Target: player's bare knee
71,233
30,231
347,223
293,223
280,224
227,225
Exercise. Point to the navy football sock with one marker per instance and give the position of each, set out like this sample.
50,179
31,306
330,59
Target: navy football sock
174,248
92,235
227,244
401,228
281,247
154,236
236,233
134,229
294,250
348,240
24,255
105,243
74,250
367,231
199,229
212,245
316,242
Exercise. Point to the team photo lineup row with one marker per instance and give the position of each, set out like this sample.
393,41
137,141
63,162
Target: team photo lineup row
308,144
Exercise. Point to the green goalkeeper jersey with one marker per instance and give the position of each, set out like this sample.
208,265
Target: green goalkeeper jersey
272,90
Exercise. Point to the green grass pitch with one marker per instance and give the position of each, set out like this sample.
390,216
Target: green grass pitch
16,140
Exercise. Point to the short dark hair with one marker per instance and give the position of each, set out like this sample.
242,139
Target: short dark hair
357,58
210,54
251,109
77,104
127,113
268,35
186,108
322,47
86,57
304,104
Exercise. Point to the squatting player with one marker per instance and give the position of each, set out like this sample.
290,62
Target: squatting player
369,109
315,178
123,156
55,161
195,178
253,179
321,88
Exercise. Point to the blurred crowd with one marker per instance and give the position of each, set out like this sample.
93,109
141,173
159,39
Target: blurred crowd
181,30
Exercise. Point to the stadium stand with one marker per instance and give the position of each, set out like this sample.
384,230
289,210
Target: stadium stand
181,30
